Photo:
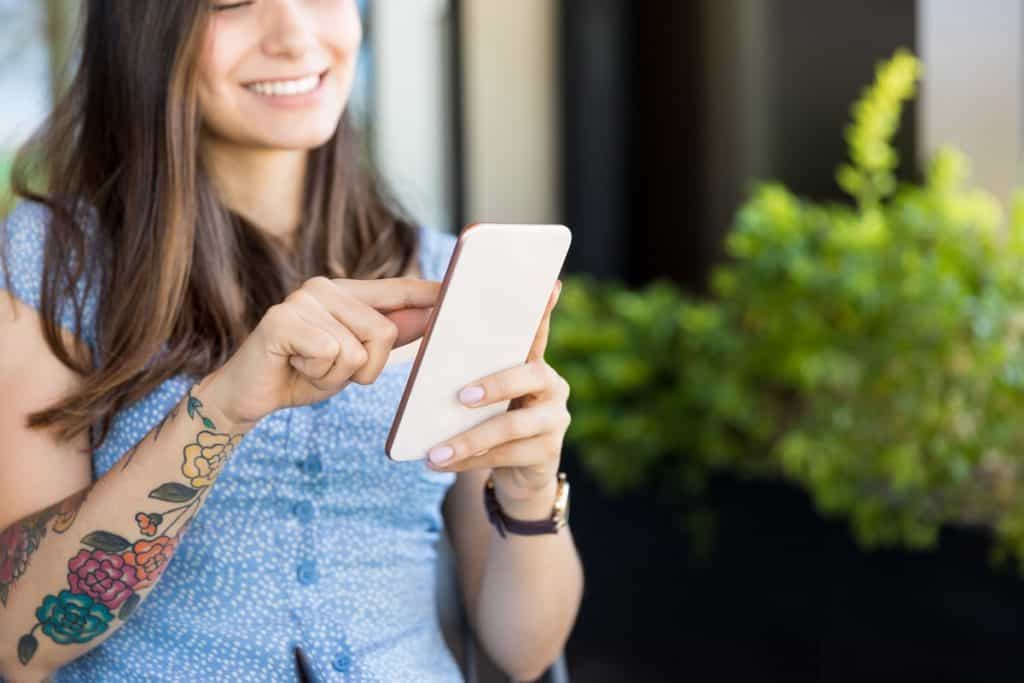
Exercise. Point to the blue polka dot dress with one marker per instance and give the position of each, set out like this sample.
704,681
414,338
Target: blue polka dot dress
311,537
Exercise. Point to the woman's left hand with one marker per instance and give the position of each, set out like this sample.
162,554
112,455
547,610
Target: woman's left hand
524,444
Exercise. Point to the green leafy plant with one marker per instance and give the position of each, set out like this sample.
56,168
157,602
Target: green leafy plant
870,352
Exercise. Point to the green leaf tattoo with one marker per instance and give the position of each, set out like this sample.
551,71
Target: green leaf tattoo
106,541
27,647
173,492
193,404
129,606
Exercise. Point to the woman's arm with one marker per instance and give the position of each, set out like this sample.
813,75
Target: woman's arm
522,592
72,573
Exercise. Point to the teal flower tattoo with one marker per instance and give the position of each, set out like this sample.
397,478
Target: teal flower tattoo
72,617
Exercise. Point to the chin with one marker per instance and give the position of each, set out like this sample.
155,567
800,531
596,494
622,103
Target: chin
309,136
294,143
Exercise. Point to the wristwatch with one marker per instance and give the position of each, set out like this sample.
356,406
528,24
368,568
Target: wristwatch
549,525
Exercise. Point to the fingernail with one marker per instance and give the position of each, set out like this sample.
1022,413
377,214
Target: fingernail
471,395
440,453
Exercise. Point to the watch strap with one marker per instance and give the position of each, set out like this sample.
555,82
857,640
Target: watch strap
504,523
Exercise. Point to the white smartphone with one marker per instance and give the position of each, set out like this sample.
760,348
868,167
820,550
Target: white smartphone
492,300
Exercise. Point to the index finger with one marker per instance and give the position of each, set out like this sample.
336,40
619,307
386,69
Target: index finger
393,293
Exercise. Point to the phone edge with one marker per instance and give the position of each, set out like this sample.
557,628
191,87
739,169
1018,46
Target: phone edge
424,340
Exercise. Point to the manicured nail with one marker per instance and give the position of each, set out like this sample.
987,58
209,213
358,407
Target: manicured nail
471,395
440,454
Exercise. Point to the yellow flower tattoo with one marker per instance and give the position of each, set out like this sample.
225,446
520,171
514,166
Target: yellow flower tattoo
205,457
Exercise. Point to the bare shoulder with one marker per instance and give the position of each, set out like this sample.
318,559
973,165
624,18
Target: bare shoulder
35,469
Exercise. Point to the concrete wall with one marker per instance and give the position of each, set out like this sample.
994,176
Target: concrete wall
971,89
412,109
510,117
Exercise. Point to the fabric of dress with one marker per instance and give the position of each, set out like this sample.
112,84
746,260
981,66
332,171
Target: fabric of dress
310,537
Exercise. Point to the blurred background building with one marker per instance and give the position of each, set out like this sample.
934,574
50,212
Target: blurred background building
642,125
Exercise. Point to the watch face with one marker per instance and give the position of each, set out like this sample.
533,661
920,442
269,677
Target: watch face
562,504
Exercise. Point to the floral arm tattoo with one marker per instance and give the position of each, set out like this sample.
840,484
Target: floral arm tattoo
21,539
105,577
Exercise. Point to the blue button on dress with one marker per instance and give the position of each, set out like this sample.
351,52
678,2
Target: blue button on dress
311,536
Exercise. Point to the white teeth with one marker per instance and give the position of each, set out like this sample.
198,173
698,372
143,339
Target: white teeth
299,86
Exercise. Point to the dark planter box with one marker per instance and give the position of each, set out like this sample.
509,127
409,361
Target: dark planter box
783,596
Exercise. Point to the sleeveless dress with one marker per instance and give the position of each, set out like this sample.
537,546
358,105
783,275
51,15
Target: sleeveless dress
311,537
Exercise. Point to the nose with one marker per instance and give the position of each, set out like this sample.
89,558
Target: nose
289,32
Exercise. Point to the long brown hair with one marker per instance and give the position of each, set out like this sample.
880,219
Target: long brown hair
183,279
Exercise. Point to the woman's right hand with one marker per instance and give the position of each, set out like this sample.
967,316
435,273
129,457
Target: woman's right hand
322,336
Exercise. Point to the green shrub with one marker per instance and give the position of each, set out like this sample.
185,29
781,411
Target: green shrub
871,352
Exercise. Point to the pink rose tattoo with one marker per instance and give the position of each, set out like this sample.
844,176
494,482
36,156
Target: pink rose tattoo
104,577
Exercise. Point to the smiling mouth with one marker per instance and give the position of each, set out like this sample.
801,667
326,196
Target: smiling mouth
284,88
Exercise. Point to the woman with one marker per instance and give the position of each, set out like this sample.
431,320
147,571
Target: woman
206,295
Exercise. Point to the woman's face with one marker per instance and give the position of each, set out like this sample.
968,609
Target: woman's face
277,74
